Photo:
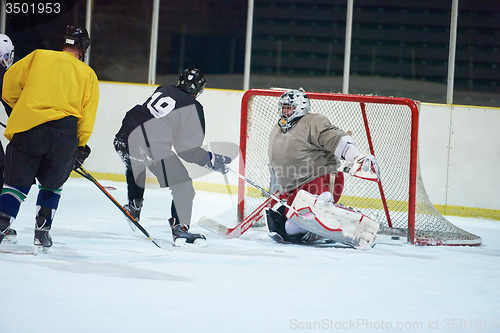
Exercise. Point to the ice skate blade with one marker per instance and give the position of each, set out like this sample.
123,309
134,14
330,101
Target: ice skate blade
277,238
41,249
10,239
131,224
182,242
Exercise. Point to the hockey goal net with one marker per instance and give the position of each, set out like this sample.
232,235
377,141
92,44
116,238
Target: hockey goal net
385,126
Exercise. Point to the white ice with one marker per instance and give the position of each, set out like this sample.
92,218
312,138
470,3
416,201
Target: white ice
99,276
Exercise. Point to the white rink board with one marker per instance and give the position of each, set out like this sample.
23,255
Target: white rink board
458,146
474,158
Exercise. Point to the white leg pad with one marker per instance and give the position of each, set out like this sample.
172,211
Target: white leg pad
334,222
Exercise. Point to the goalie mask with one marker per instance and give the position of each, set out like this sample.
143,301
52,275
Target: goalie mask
6,51
77,38
192,81
293,105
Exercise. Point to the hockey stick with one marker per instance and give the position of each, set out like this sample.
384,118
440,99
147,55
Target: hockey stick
281,202
224,231
165,245
237,231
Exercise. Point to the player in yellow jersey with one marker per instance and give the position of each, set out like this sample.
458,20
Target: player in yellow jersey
54,97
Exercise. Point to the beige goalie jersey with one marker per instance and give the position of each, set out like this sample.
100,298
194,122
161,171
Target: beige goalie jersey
305,152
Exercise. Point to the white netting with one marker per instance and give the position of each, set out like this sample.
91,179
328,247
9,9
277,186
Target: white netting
390,127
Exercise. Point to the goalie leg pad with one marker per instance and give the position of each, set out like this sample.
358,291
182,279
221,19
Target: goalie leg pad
333,221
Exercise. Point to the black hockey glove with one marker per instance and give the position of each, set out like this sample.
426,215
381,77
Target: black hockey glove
81,154
217,162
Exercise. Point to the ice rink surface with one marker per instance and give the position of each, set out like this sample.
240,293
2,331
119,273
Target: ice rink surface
99,276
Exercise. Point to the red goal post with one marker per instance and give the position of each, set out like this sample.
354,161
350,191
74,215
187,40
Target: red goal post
387,127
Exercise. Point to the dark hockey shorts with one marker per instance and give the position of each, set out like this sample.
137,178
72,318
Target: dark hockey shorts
46,152
168,171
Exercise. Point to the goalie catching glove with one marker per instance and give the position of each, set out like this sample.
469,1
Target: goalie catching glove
361,165
81,155
217,162
365,166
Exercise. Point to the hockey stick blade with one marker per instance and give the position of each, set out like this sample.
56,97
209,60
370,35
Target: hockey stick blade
214,226
222,230
165,245
110,188
162,244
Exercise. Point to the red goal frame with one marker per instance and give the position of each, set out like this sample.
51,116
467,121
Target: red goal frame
361,99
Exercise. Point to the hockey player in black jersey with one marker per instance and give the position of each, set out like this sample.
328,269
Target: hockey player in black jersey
170,118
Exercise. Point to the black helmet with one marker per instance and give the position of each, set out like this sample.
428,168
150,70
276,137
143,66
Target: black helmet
192,81
77,37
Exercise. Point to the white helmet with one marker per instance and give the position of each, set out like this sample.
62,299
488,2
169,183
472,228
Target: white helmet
293,105
6,51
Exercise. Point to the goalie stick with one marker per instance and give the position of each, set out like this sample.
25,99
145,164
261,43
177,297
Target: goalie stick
307,216
162,244
272,196
237,231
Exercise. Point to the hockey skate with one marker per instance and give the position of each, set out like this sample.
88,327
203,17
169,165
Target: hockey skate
2,235
42,239
275,223
10,237
134,209
182,236
7,235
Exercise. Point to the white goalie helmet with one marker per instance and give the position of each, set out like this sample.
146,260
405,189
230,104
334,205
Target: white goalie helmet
6,51
293,105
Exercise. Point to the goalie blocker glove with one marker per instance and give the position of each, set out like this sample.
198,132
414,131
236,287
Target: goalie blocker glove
217,162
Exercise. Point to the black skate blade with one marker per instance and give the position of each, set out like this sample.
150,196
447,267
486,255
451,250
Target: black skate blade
277,238
182,242
321,243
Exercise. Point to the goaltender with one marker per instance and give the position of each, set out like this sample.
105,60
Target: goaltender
305,150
